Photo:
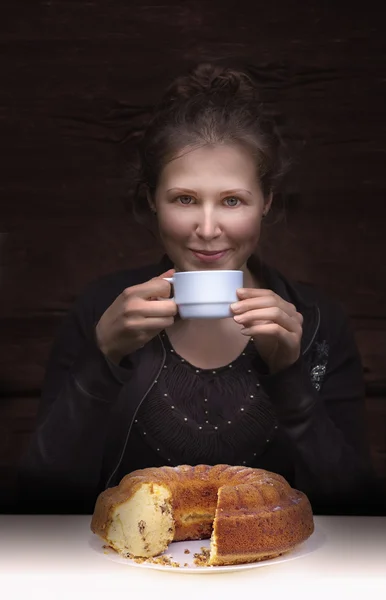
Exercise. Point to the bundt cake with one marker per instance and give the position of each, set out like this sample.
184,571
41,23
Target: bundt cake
248,514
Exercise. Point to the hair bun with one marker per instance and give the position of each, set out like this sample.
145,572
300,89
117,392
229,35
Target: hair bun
209,79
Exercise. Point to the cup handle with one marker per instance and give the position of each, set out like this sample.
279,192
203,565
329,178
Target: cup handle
170,280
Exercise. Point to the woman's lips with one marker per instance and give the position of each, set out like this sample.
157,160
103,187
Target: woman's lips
205,256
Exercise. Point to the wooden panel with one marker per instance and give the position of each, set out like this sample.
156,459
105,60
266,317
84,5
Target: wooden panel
78,81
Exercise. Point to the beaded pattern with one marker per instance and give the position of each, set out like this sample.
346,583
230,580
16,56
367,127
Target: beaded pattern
214,372
319,368
210,424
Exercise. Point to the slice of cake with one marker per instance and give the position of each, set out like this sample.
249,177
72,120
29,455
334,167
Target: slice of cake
140,526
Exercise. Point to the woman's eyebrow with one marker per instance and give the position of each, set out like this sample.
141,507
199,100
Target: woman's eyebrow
186,190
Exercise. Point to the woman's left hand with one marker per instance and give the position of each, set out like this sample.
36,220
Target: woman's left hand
274,324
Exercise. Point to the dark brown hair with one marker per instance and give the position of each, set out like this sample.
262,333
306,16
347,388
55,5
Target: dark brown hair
212,105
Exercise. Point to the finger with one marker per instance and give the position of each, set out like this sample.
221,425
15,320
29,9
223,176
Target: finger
159,324
272,314
259,302
162,277
168,273
270,330
153,288
264,301
149,324
255,293
156,308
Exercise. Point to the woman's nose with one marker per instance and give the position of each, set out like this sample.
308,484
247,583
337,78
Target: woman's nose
208,225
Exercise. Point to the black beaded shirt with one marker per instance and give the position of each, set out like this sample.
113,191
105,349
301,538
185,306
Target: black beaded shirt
210,416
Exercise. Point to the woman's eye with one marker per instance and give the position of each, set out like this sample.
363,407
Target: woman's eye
184,199
232,201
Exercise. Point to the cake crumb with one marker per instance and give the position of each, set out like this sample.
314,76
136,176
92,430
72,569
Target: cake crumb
154,560
186,551
201,558
137,559
157,560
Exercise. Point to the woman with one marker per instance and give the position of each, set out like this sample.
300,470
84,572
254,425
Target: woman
129,385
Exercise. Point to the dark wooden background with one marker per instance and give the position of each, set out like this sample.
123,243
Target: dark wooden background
77,79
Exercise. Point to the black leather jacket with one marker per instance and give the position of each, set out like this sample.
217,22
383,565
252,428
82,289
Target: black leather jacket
89,405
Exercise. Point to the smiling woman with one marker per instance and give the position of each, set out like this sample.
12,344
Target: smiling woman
130,384
211,222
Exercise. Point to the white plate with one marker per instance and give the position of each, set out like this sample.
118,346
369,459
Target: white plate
176,552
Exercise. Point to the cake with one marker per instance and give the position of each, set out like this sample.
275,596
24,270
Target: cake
248,514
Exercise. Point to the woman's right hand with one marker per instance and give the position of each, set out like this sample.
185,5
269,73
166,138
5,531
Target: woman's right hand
135,317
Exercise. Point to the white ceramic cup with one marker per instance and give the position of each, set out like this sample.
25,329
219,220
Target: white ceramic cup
205,294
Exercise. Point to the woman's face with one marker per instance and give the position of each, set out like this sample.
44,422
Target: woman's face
209,206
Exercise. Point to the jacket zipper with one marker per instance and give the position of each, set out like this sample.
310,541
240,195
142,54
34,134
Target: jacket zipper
315,332
136,411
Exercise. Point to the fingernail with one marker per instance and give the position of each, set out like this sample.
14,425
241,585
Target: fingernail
235,306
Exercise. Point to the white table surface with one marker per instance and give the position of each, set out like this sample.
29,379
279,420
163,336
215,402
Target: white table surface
54,557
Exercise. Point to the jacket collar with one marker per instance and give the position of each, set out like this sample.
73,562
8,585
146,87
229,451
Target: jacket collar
289,291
